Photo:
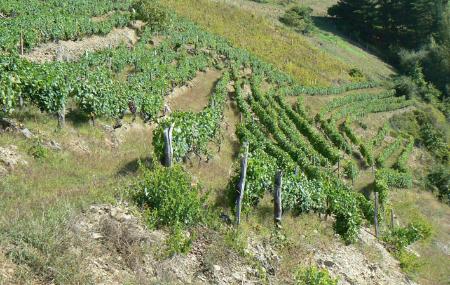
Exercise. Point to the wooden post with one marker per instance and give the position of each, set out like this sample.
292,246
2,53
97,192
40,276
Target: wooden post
241,184
277,209
376,215
62,117
392,219
339,167
21,101
297,170
168,149
21,43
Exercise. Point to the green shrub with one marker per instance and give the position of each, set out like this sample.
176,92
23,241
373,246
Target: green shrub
439,178
169,196
402,237
299,17
314,276
178,241
405,86
351,170
152,13
38,150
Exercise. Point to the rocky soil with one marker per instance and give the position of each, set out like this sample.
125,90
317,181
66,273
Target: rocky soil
352,266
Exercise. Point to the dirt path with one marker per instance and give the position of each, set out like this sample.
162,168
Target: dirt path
73,50
195,95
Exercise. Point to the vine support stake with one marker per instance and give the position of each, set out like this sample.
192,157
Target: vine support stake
392,219
339,167
62,117
168,148
277,209
241,184
376,215
297,170
21,43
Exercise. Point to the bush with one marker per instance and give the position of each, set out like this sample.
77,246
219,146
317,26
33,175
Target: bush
402,237
38,150
404,86
351,170
439,178
152,13
178,242
170,197
299,17
314,276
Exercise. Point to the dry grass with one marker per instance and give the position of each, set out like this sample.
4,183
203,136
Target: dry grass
276,44
38,201
414,204
326,36
195,96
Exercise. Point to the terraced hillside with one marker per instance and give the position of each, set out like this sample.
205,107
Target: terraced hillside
89,93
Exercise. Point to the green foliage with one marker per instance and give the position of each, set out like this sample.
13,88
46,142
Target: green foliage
169,195
333,134
402,237
385,24
394,178
296,90
428,128
178,242
439,179
381,134
193,131
404,86
38,150
402,161
299,17
388,151
152,12
313,276
54,20
351,170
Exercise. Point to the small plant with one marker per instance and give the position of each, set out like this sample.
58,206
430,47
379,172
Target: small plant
169,196
299,17
439,178
38,150
179,242
152,13
351,170
402,237
314,276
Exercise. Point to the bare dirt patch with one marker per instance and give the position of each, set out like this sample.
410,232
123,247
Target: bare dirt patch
195,95
118,248
73,50
10,158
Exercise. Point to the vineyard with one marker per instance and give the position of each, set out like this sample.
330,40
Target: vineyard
280,136
310,164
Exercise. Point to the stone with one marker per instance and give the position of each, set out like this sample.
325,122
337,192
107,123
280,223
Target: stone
54,145
27,133
97,236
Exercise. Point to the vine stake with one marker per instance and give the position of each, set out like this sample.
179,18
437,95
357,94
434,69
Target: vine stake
241,184
277,210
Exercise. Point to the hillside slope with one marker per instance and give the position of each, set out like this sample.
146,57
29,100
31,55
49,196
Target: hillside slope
84,195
